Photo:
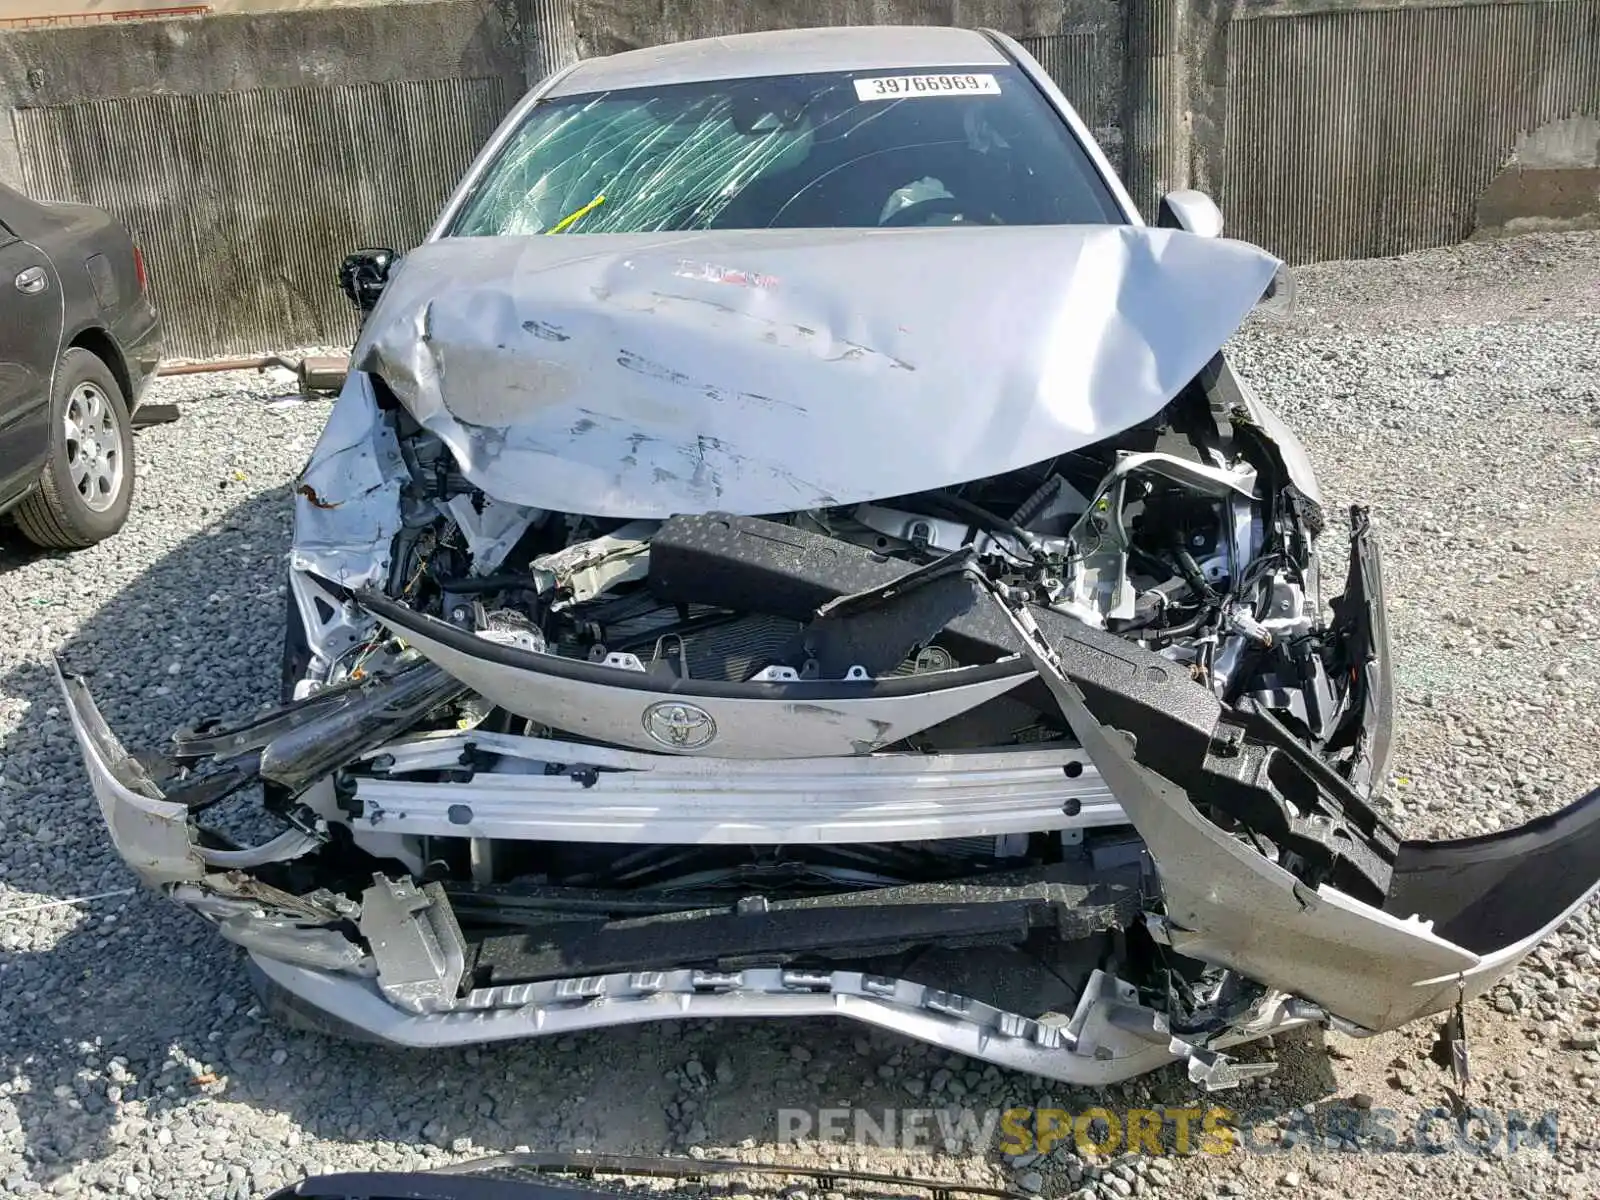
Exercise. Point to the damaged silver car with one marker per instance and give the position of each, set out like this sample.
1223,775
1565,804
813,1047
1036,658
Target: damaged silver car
790,543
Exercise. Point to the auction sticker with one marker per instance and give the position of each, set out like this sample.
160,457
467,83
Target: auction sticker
901,87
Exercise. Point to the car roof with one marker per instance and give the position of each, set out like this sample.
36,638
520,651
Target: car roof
785,52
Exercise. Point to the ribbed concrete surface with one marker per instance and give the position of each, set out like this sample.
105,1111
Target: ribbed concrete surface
1366,133
1069,59
1155,125
246,202
555,37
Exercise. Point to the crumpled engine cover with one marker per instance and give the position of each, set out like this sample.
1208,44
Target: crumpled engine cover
641,375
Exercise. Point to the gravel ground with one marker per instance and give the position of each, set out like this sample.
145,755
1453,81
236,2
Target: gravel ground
1454,391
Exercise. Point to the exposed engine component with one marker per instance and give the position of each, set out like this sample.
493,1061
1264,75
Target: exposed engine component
1179,535
583,570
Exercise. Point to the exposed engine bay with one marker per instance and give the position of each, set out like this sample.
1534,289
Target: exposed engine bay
1181,536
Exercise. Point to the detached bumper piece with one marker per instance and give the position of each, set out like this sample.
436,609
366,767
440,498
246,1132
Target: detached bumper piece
151,830
1454,917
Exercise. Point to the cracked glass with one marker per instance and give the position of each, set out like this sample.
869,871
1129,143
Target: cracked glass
837,150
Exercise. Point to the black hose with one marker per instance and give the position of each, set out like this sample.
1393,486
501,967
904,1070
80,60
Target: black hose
1191,570
1167,632
990,520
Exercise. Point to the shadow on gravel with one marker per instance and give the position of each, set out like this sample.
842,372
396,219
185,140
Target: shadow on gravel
134,999
17,552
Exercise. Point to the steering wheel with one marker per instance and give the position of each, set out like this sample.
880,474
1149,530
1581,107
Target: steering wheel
921,210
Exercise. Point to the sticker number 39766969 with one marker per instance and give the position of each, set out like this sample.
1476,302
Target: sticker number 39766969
901,87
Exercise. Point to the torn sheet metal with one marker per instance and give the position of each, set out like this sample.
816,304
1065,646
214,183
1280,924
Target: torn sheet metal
584,570
347,502
611,375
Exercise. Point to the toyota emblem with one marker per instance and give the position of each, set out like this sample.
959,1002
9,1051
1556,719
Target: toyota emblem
679,726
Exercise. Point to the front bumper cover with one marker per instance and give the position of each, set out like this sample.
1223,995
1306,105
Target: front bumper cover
1324,955
404,986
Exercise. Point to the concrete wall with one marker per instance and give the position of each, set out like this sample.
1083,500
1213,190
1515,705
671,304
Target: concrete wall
1082,37
250,151
1359,132
44,10
1078,41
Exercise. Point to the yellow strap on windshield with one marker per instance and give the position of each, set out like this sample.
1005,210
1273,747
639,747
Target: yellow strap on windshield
571,217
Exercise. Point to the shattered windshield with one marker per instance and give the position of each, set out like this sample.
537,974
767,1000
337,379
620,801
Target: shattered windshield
856,149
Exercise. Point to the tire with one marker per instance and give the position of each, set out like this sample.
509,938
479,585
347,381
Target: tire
296,658
296,651
289,1010
68,513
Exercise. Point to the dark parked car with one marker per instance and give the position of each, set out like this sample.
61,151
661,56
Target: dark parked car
78,340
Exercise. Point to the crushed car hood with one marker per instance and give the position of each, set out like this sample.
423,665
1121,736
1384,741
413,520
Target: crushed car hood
642,375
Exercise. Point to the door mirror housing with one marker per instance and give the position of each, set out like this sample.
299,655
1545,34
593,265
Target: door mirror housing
364,273
1192,211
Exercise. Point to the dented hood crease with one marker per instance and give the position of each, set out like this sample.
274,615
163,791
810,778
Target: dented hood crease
641,375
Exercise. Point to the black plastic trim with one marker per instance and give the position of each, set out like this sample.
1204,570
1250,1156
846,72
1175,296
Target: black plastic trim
516,1177
405,620
1004,908
1489,892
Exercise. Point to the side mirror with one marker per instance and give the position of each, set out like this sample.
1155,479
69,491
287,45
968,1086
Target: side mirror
1190,210
364,273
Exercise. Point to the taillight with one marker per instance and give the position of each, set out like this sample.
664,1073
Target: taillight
138,269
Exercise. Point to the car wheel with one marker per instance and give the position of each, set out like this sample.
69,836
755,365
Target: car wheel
87,484
296,651
288,1009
